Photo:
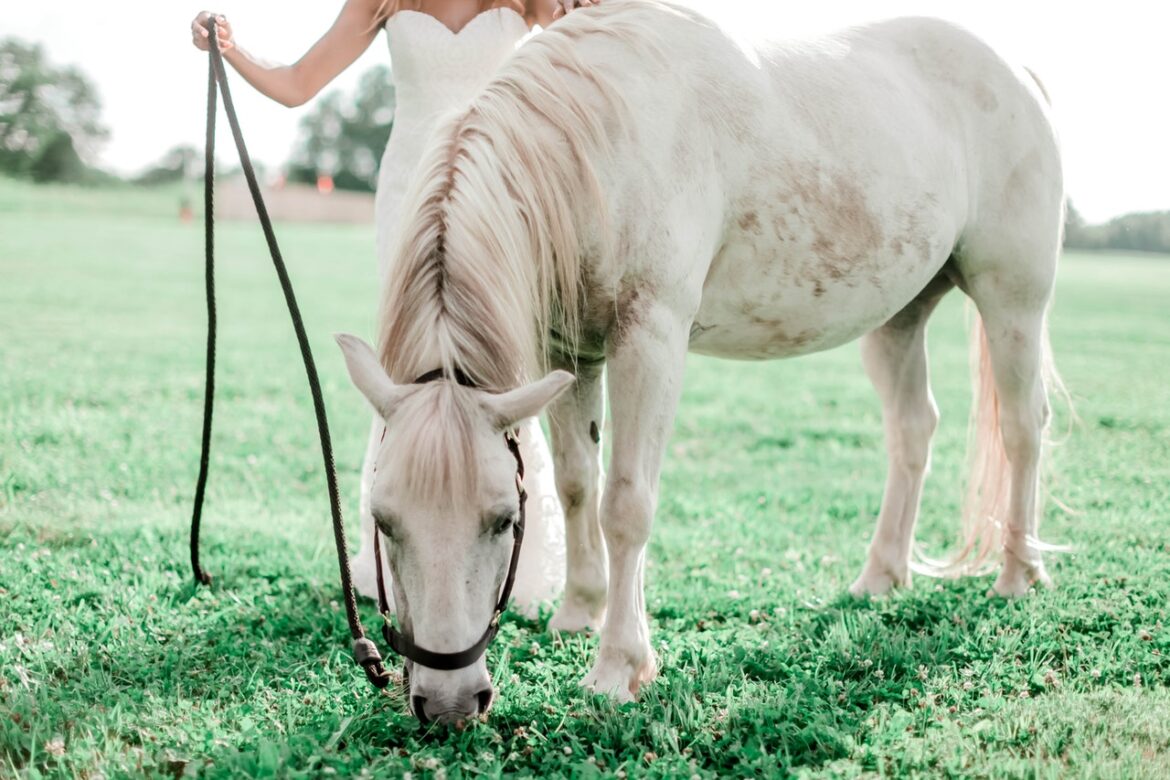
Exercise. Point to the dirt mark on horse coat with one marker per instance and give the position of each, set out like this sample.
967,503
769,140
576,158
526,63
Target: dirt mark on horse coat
845,231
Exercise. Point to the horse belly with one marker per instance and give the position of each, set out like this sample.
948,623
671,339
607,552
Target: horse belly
769,296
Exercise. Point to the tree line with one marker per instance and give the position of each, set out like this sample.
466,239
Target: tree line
1142,232
50,130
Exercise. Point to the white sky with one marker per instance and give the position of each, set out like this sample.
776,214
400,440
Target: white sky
1106,66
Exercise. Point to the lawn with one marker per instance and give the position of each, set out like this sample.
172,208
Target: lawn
112,664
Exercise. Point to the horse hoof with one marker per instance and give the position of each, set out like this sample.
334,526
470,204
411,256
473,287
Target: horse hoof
1017,578
874,582
573,617
618,679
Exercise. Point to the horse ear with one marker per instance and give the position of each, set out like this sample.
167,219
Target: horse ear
511,407
368,376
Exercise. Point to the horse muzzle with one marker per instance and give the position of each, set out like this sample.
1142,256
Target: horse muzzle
433,704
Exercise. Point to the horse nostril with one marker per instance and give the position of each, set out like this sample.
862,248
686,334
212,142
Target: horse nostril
484,698
419,704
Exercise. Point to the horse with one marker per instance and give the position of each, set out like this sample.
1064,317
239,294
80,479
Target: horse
637,183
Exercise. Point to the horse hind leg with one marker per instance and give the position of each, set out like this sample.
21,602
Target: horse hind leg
1008,514
895,359
1009,274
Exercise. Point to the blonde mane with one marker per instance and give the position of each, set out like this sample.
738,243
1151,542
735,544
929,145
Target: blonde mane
487,259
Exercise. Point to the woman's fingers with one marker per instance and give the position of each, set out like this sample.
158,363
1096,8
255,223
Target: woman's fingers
223,31
564,6
221,23
199,35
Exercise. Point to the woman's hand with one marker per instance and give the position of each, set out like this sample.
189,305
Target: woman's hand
564,6
222,28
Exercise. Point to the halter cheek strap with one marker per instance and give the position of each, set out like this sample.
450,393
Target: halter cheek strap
403,645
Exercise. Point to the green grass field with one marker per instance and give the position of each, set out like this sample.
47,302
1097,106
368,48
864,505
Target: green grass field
112,664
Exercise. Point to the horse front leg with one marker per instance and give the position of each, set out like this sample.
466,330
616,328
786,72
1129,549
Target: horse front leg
576,420
645,374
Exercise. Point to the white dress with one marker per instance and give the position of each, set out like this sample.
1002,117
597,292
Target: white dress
435,71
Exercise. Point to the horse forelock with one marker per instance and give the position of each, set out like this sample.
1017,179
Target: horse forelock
436,433
488,259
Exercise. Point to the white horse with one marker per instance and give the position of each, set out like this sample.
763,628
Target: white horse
636,184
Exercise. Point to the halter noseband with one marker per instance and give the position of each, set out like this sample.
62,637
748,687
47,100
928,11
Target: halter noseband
402,644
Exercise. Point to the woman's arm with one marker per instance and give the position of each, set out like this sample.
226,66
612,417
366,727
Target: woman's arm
296,84
543,12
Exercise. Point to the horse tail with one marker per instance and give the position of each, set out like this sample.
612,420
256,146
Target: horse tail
988,471
988,490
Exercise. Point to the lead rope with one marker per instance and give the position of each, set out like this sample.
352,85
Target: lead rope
365,653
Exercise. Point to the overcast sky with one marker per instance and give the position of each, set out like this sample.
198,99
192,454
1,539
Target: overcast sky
1105,65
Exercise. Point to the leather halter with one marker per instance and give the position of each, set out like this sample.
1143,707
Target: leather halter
399,642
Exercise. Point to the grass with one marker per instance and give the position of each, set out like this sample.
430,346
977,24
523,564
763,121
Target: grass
112,664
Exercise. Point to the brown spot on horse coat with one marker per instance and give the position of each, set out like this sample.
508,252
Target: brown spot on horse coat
846,232
984,97
629,309
749,222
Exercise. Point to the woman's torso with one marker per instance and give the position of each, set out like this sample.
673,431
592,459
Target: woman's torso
435,70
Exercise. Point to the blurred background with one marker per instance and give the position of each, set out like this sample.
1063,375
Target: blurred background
98,98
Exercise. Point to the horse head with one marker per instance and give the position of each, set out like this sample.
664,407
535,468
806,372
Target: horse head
447,497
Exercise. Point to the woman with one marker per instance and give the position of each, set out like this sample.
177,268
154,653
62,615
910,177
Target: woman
443,52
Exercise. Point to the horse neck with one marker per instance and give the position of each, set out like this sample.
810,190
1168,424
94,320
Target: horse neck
505,204
463,293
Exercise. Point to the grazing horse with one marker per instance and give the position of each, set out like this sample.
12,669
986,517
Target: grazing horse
634,184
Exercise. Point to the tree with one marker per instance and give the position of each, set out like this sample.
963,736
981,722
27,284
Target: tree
40,103
345,137
1075,227
58,161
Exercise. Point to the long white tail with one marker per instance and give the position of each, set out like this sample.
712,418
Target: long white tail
988,490
988,471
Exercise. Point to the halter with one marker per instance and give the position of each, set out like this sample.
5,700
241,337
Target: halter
399,642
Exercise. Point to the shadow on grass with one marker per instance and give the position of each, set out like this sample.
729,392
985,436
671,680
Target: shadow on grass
252,676
799,690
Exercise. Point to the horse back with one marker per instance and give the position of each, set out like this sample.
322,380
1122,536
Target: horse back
812,187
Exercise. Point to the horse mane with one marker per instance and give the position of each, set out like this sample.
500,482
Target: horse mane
487,260
441,455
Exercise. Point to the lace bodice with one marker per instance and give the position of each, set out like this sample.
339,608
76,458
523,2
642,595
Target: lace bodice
435,69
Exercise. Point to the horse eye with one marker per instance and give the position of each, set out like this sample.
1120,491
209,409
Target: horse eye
502,524
385,524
